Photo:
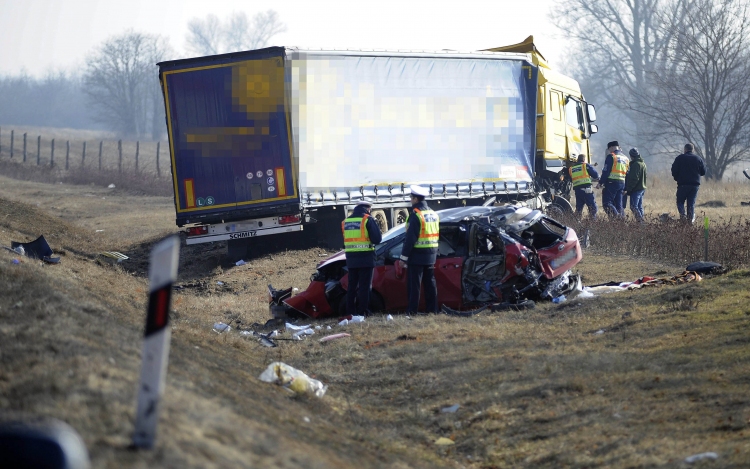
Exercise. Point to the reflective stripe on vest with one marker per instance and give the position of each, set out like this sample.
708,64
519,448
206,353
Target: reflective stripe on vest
619,167
356,237
430,231
579,174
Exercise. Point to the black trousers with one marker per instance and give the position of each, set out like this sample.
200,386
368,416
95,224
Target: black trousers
360,283
421,275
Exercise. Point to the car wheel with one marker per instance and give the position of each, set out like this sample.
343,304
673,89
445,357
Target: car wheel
377,304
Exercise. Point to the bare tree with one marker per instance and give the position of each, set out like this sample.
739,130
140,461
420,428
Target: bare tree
211,36
702,93
121,80
618,43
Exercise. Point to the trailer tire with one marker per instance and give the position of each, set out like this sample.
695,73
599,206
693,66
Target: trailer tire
380,219
402,215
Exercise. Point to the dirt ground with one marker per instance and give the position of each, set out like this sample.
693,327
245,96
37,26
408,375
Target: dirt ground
665,378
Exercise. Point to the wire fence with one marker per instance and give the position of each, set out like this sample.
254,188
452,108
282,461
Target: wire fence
75,154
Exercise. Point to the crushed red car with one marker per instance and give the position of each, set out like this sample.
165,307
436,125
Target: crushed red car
486,255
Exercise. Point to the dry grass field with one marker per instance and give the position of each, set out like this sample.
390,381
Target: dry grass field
643,378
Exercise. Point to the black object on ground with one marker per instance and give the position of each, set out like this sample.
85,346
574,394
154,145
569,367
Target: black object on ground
37,249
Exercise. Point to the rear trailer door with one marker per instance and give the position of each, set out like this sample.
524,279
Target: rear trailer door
229,137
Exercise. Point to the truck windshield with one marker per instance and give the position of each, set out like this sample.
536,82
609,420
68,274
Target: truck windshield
574,113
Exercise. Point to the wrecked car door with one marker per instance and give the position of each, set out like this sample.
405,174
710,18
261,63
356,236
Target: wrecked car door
484,267
392,287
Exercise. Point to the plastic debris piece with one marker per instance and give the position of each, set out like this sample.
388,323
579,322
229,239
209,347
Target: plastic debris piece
221,327
443,441
111,186
344,322
356,319
16,261
558,299
246,333
240,262
389,318
306,419
328,328
698,457
335,336
292,327
293,379
19,249
599,332
317,328
450,410
219,283
303,333
273,333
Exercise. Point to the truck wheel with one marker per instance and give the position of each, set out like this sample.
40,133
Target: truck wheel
380,219
401,216
560,209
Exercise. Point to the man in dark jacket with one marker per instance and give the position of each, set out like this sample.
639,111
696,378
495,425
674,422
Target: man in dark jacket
687,170
361,234
635,183
420,251
613,180
582,175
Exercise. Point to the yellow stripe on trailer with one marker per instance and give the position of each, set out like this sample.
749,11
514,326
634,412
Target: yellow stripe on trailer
189,193
280,181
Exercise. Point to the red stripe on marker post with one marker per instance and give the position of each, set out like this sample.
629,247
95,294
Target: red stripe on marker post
162,274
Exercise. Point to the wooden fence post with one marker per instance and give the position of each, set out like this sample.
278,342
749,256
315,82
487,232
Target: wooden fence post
137,150
52,155
38,147
24,147
119,152
83,156
158,170
67,153
11,143
100,154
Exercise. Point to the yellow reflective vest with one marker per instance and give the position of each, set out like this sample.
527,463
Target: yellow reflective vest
430,231
619,167
579,174
356,237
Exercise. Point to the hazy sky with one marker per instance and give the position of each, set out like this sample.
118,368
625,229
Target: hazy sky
43,35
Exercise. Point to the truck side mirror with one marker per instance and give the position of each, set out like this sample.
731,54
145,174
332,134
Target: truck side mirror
591,111
593,128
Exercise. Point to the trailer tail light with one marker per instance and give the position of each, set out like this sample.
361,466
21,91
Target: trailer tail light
287,219
197,230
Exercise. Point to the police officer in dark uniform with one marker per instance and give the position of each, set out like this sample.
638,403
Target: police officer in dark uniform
420,251
361,234
582,174
613,180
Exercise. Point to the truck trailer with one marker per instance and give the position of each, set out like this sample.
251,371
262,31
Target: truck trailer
282,139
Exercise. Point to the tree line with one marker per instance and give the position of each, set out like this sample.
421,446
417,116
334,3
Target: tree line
665,72
118,87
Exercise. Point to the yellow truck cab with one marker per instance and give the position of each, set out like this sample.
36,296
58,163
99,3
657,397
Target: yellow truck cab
564,122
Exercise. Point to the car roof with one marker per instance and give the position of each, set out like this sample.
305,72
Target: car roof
452,215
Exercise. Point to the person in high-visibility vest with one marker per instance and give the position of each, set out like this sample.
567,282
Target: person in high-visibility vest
613,180
583,174
420,251
361,234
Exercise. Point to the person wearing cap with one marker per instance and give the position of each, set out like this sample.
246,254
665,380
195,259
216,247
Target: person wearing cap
582,174
420,251
687,170
613,180
635,183
361,234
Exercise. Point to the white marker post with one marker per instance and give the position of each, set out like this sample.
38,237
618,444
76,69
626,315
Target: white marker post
162,274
